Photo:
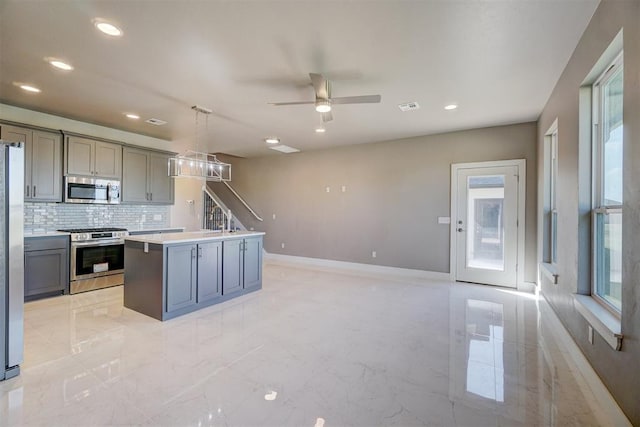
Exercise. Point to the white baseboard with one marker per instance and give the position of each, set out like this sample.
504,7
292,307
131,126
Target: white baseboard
405,273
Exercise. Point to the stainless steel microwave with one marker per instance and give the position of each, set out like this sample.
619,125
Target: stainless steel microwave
79,189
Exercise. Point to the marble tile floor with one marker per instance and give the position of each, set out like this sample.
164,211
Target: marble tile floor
315,347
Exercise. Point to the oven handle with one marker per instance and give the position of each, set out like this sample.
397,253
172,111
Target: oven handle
103,243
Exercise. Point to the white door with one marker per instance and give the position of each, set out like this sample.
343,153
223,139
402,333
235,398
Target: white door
485,226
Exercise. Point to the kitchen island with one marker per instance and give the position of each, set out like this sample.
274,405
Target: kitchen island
171,274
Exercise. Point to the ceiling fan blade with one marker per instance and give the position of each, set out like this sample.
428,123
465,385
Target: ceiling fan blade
327,117
365,99
278,104
320,85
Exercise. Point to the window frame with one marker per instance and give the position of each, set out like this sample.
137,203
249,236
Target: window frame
598,206
553,202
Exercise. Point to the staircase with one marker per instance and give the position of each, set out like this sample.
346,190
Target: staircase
217,216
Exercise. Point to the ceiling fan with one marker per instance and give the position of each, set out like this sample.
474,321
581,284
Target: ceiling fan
324,100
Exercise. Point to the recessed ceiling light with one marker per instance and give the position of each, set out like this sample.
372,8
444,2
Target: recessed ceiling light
28,87
107,27
451,107
132,116
320,130
272,140
323,106
61,65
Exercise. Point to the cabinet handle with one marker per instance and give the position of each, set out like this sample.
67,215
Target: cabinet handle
27,191
151,196
199,252
34,191
193,252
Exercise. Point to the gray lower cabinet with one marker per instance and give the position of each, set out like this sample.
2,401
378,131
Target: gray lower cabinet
193,274
168,280
182,278
242,265
46,266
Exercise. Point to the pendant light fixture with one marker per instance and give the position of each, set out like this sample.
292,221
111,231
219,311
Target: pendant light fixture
198,163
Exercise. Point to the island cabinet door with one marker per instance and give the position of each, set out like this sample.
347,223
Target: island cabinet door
181,277
232,266
253,263
209,271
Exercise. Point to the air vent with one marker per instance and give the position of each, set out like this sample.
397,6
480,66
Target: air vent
156,122
409,106
285,149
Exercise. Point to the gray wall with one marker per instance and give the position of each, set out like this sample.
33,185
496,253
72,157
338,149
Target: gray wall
618,370
395,192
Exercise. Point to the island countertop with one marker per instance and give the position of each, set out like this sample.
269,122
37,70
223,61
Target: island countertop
191,236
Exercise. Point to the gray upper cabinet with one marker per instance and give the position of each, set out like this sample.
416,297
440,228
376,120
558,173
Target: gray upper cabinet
43,162
145,178
134,176
88,157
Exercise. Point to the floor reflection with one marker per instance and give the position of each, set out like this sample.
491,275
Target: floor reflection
485,367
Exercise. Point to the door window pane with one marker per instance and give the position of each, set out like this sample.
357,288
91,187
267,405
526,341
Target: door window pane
485,234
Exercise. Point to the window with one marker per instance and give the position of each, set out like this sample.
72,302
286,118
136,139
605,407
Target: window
607,186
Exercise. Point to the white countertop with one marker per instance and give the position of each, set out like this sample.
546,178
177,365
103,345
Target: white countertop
191,236
45,233
149,230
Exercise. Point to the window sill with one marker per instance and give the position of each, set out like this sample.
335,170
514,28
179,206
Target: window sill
605,323
550,271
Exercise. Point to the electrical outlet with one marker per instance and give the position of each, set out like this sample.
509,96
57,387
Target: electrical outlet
274,216
590,334
374,254
282,245
328,189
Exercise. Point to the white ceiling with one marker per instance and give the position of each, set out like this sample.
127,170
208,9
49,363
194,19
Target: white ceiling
498,60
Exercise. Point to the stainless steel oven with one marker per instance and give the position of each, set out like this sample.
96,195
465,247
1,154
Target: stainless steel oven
79,189
97,258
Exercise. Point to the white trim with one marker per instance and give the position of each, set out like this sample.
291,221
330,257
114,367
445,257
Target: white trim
521,164
605,323
356,267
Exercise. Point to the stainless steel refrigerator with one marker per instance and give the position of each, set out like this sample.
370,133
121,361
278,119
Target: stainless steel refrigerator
11,258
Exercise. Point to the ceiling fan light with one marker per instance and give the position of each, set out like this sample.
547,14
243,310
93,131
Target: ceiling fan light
323,106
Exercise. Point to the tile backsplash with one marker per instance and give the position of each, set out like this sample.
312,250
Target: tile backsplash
53,216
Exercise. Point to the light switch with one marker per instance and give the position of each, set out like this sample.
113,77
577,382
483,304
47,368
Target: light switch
328,189
274,216
344,188
146,247
444,220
